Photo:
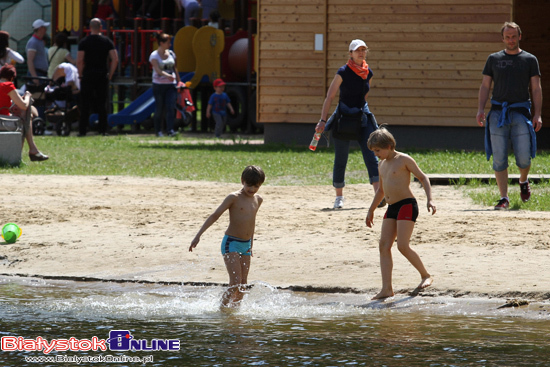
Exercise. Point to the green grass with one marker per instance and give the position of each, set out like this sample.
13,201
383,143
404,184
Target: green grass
487,195
144,156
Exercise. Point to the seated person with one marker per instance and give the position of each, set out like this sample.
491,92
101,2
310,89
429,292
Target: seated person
22,108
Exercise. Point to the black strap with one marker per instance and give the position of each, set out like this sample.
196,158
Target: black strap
50,59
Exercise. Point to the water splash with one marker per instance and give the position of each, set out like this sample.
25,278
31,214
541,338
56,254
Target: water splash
103,300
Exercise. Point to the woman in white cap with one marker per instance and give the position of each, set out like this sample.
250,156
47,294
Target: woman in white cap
353,81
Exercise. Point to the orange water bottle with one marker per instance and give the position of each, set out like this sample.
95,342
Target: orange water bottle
314,141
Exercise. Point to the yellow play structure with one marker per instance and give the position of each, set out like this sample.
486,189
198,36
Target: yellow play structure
198,50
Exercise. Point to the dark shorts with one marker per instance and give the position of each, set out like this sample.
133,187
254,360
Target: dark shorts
233,244
406,209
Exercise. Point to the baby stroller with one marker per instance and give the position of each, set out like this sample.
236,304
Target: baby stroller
184,107
39,101
62,110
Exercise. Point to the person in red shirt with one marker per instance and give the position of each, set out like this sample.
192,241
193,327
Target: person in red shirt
9,95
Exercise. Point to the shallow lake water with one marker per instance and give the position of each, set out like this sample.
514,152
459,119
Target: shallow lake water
272,327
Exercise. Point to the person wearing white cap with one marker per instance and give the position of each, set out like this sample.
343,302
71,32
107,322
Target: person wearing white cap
353,82
37,58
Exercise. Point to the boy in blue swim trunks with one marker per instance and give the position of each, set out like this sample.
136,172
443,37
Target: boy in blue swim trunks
395,170
237,243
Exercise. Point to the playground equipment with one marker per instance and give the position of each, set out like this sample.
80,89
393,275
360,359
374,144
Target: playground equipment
206,46
205,53
142,107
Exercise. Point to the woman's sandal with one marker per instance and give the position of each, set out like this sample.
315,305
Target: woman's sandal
38,157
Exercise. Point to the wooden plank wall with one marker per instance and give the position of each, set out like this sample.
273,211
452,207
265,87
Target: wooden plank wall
427,56
291,82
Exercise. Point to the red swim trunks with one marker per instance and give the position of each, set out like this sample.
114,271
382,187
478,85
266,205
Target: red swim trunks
406,209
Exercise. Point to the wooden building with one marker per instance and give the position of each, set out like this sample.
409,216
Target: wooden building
426,55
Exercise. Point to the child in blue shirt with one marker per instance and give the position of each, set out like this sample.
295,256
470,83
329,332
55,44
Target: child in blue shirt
217,105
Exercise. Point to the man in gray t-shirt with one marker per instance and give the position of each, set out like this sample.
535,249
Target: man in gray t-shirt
37,58
514,116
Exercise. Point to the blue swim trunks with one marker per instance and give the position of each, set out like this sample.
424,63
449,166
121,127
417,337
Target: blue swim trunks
234,244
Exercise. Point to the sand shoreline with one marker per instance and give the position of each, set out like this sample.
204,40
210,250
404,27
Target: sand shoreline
431,292
127,229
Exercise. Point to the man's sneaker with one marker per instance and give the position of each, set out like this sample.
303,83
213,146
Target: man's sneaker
339,202
503,204
525,191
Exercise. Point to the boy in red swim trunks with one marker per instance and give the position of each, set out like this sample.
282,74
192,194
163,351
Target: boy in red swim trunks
236,246
395,170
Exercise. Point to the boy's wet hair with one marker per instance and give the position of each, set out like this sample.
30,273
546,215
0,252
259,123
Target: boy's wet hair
381,138
253,175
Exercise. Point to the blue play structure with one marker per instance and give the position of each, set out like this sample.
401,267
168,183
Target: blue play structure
136,112
141,108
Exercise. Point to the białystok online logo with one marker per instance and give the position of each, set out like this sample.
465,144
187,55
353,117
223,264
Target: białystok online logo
118,341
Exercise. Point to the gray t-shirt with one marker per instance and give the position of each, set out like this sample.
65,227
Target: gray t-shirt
41,57
511,75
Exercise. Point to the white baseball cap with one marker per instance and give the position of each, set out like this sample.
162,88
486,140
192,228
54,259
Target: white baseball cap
39,23
355,44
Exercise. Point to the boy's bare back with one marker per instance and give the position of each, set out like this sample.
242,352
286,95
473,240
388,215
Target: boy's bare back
242,213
